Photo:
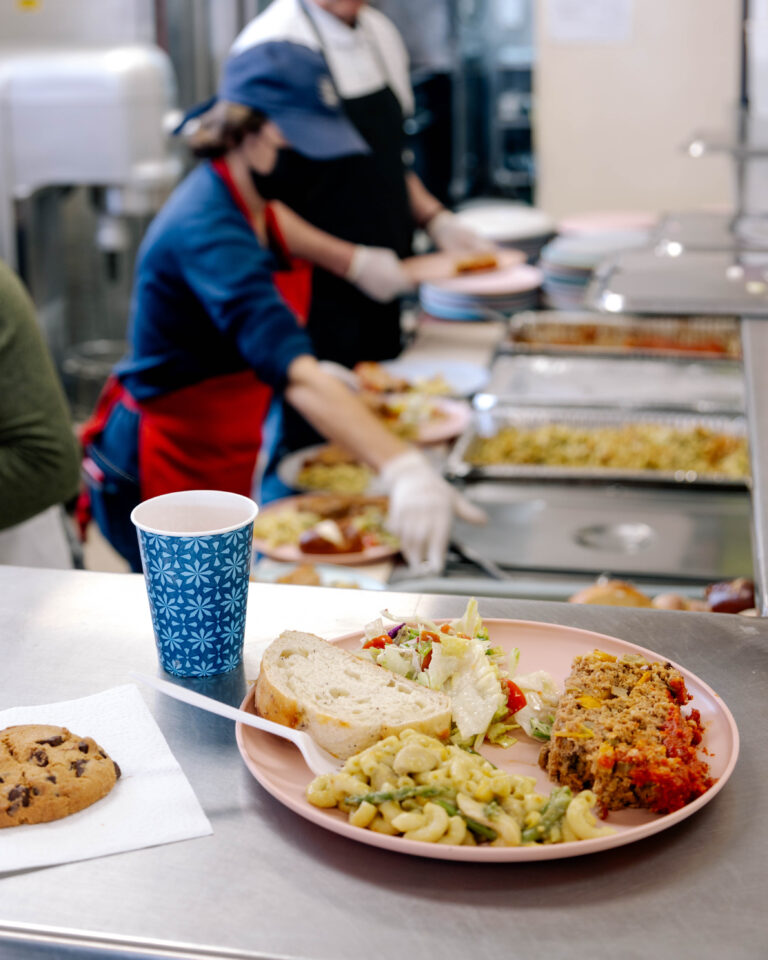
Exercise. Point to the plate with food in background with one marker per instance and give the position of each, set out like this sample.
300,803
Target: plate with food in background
339,529
447,378
433,267
310,574
582,781
328,468
419,418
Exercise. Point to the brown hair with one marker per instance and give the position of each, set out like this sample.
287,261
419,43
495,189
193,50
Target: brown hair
221,128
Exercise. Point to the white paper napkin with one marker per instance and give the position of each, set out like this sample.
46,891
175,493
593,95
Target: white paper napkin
151,803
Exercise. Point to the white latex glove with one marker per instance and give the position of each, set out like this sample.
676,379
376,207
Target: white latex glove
447,232
421,508
378,273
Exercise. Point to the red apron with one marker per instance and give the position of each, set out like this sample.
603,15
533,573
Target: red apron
207,435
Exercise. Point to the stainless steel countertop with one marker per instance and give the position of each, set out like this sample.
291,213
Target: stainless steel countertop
754,341
269,884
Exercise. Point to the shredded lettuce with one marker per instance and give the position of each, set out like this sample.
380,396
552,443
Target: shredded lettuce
542,729
475,692
374,629
541,697
462,662
396,660
470,622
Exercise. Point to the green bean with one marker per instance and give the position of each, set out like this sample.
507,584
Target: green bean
402,794
551,815
487,833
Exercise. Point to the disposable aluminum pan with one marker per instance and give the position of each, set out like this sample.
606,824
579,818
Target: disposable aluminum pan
487,423
560,332
696,387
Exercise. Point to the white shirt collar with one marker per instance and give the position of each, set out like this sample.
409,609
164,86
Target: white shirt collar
336,32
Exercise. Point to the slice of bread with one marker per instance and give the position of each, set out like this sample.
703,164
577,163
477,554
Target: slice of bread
345,703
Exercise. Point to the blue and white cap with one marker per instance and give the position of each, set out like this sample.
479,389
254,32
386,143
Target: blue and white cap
290,84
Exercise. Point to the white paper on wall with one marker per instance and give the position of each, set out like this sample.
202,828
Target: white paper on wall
589,21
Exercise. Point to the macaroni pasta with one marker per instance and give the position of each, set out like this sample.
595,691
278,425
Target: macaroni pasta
415,786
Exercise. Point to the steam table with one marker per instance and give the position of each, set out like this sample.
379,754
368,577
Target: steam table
269,884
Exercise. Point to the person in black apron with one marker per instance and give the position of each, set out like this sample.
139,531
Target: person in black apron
364,199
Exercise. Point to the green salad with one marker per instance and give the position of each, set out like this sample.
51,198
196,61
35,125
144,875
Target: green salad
489,700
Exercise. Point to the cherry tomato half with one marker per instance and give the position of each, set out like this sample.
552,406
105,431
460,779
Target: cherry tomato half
378,642
515,696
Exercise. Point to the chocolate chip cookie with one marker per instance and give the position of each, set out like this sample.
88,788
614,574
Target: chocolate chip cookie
48,772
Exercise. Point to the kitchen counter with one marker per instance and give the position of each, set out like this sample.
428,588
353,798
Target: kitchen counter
269,884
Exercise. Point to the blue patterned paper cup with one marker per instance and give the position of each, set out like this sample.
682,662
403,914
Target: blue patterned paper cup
196,553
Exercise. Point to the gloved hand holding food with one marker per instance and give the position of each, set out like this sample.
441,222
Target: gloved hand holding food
447,232
421,507
378,273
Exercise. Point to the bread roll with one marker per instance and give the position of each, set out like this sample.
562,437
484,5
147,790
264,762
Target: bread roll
345,703
612,593
671,601
304,575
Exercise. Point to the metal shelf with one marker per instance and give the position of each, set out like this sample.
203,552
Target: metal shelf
754,337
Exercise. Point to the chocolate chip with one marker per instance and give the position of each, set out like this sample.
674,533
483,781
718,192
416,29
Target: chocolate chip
82,746
78,766
51,778
13,808
102,754
118,772
19,792
40,757
1,780
35,792
52,741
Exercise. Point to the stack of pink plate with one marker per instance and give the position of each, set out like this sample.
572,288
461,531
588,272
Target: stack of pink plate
482,296
608,221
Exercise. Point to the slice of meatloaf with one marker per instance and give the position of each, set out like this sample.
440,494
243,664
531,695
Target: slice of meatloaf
619,730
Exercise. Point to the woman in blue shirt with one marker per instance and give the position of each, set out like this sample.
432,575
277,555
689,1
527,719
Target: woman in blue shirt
212,335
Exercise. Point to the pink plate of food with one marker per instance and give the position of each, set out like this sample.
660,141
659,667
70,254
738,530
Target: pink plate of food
280,769
434,267
327,527
419,417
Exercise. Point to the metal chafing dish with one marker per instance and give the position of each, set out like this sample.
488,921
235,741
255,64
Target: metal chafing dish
731,283
612,335
488,423
627,382
554,538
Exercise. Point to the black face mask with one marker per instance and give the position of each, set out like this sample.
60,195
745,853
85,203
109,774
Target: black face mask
287,180
265,183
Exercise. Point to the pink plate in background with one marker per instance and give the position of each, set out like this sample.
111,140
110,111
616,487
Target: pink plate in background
434,267
453,420
280,769
291,553
491,283
598,221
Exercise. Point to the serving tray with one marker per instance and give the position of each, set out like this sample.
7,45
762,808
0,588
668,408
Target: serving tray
488,423
581,332
698,386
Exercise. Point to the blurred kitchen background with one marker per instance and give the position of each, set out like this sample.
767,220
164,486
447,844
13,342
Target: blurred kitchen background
530,113
569,104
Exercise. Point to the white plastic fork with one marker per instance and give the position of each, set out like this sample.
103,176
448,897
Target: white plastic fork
317,759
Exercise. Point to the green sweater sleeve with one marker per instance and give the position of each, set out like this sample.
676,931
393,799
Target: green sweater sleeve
39,455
